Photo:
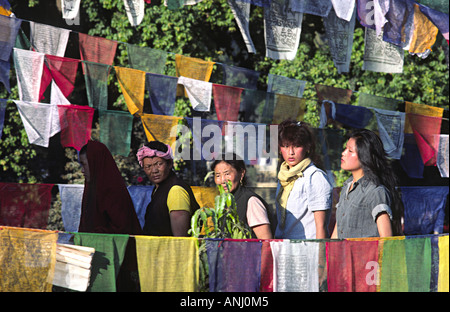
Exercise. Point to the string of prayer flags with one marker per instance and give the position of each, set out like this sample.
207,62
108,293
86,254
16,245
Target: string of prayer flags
240,77
146,59
135,11
313,7
340,39
228,275
421,109
49,39
443,282
191,67
167,263
199,93
377,102
132,84
37,121
241,13
391,126
76,125
10,27
62,70
97,49
287,106
227,101
71,199
141,195
442,156
96,80
161,128
27,259
5,8
162,91
295,266
427,133
29,67
284,85
344,8
25,205
70,8
424,34
424,210
282,28
108,257
352,266
411,160
381,56
115,131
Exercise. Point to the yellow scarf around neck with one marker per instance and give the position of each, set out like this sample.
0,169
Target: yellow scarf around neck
287,177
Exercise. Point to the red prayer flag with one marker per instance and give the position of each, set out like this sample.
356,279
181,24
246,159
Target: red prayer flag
227,101
352,265
76,125
97,49
25,205
62,70
426,131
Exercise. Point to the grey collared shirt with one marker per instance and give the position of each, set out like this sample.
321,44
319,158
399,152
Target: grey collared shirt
358,209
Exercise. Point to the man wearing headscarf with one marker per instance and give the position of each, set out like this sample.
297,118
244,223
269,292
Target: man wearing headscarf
173,201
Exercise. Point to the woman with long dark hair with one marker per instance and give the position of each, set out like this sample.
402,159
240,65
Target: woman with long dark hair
369,204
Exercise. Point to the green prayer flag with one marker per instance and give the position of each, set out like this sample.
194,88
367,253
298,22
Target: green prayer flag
393,266
108,257
418,263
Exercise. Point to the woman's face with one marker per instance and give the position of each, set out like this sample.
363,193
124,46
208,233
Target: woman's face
85,167
292,154
349,159
157,169
224,172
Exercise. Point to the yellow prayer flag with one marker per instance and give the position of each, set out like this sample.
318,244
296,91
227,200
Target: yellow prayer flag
167,264
443,281
27,259
424,34
193,68
421,109
161,128
132,83
288,107
205,196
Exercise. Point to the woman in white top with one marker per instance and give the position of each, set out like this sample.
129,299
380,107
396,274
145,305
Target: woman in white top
304,194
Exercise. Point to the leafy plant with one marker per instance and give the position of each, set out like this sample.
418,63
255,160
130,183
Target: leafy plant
222,221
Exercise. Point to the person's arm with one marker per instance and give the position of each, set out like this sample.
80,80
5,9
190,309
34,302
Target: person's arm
334,235
258,219
179,205
384,225
179,222
262,231
320,220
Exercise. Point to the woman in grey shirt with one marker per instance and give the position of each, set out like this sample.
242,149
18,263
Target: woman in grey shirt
369,204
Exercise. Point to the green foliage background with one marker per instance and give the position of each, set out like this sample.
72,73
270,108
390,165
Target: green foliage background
207,31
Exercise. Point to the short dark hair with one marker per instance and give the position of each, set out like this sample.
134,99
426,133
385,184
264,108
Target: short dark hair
298,133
